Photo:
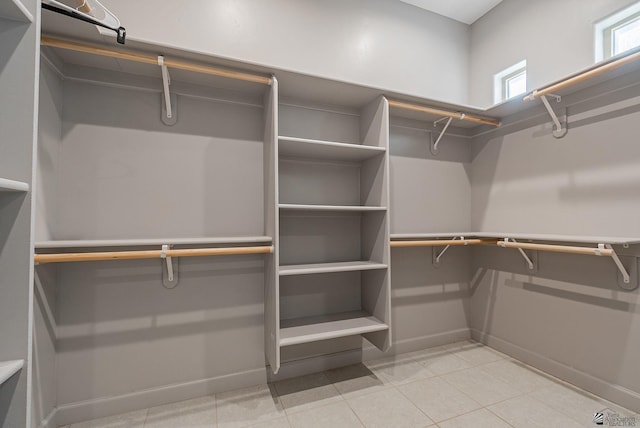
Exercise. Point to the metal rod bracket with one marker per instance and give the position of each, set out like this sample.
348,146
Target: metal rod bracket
434,145
626,283
559,131
436,256
531,262
168,106
169,269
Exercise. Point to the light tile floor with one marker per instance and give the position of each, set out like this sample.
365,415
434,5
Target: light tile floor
464,384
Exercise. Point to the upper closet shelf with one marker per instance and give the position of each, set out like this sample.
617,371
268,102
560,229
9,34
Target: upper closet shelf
98,243
326,150
13,186
15,11
335,208
8,369
561,238
525,236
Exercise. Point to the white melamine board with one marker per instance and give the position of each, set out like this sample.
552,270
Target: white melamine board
15,11
430,235
304,269
296,207
9,368
326,150
13,186
560,238
305,330
525,236
272,227
152,242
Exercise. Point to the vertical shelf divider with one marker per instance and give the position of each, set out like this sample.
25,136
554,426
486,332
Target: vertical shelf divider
272,261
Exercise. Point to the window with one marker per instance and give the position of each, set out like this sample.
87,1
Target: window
618,33
510,82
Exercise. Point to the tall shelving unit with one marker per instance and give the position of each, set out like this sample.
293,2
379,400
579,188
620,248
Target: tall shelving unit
333,276
19,49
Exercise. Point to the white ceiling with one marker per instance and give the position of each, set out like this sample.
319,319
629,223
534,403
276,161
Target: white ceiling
467,11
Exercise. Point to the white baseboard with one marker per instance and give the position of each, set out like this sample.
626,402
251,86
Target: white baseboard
50,420
108,406
417,343
612,392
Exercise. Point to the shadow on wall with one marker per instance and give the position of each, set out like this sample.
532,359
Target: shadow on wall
571,311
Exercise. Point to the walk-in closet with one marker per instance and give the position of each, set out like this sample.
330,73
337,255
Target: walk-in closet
340,213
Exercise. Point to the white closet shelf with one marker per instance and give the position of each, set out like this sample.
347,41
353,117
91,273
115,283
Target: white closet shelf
357,208
430,235
15,11
312,329
9,368
305,269
7,185
614,240
326,150
97,243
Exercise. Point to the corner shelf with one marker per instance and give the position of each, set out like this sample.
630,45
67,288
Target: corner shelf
334,208
312,329
8,369
305,269
7,185
14,10
326,150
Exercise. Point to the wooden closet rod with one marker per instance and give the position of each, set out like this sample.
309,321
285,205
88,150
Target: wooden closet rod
557,248
439,112
153,59
439,243
583,76
149,254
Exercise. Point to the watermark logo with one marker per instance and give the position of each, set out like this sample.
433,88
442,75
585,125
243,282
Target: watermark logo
610,418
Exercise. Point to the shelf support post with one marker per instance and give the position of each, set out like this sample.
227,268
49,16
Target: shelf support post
434,145
558,132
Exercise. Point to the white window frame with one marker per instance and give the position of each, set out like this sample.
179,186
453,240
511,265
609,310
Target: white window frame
605,27
501,79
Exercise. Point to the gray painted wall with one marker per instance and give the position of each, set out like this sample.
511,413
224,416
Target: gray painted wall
556,37
570,318
354,40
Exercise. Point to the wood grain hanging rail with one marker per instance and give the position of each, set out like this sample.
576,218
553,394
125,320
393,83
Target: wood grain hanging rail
150,254
153,60
596,71
444,113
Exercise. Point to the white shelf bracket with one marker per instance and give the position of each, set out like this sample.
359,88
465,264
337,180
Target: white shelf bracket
168,108
434,145
525,256
559,131
436,258
170,275
626,278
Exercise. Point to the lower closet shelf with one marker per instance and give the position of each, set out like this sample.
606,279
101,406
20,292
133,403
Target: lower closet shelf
312,329
330,267
9,368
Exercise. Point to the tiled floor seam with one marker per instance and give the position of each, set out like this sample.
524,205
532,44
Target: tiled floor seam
498,416
355,413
